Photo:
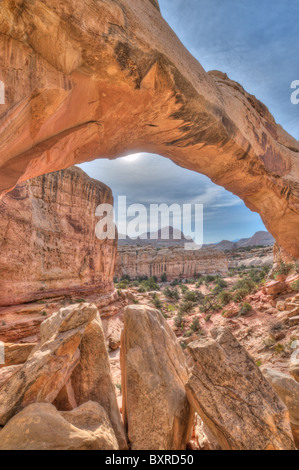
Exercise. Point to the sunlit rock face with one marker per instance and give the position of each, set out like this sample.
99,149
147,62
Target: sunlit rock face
48,241
87,80
176,263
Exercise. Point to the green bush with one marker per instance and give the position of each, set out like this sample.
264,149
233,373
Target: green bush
172,293
193,296
195,325
157,303
240,295
295,286
186,307
225,298
245,309
149,285
284,268
164,277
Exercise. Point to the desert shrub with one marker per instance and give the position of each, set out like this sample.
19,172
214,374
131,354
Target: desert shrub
195,325
123,284
179,321
142,290
208,318
171,293
245,309
283,268
175,283
221,283
209,279
193,296
240,295
225,298
126,277
247,284
142,278
150,285
157,302
295,286
184,289
186,307
164,277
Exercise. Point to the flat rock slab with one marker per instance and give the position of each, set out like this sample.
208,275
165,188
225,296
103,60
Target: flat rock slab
234,399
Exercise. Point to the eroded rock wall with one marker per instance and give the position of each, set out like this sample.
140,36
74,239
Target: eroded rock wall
48,244
176,263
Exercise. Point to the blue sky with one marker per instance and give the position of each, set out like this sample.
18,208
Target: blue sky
257,44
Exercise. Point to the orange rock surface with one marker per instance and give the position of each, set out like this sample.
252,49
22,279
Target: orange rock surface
86,80
48,241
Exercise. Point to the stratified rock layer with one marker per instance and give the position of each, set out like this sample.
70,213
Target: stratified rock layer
176,263
115,80
48,241
154,372
233,398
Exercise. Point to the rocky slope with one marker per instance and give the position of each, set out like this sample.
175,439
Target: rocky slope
116,79
48,245
176,263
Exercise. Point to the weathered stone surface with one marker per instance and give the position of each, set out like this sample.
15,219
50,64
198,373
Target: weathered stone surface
16,354
41,427
154,372
175,262
92,381
50,364
7,372
288,390
115,80
233,398
49,245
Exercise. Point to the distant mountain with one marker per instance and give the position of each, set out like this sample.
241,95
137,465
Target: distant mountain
177,238
258,239
160,238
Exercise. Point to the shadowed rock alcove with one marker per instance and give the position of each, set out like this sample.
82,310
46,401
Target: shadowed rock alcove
117,80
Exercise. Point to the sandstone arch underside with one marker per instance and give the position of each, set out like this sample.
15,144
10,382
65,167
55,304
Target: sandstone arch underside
104,78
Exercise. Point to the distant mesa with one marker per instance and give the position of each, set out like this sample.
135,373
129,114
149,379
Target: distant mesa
167,236
177,238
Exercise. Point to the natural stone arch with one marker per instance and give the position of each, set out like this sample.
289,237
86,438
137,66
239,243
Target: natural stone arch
104,78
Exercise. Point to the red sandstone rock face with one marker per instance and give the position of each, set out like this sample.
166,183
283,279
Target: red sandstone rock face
115,80
48,242
176,263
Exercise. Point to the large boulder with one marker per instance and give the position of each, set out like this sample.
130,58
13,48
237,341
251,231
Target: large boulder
288,390
154,372
92,380
50,364
41,427
234,399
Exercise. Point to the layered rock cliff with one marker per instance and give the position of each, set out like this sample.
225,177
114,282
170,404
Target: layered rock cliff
48,245
115,80
176,263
